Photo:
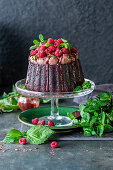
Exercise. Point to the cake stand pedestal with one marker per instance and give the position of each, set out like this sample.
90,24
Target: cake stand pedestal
55,116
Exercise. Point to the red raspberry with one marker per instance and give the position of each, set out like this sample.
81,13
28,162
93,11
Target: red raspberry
48,50
58,48
56,44
73,50
35,121
43,48
58,53
52,47
65,51
60,41
54,144
41,54
33,52
41,122
51,41
43,43
22,141
50,123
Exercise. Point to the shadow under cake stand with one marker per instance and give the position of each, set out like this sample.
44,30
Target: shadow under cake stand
54,115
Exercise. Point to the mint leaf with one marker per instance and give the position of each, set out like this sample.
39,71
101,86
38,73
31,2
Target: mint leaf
63,40
47,44
77,89
62,45
33,47
22,86
41,37
34,57
4,95
39,134
100,130
108,128
71,116
86,85
36,42
13,136
24,133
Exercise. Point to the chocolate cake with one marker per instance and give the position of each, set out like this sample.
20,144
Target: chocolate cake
53,67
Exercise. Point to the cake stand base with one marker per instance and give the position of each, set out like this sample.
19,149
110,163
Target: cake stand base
58,120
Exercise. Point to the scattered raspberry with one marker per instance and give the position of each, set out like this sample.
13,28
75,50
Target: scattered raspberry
73,50
41,122
60,41
52,47
65,51
50,123
33,52
58,53
54,144
35,121
22,141
51,41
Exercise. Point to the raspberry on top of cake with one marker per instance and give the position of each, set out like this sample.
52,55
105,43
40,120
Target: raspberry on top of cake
52,51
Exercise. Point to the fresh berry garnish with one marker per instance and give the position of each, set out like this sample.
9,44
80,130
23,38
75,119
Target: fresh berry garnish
22,141
43,43
60,41
48,50
41,122
54,144
33,52
42,49
52,47
65,51
50,123
41,54
58,53
51,41
35,121
73,50
56,44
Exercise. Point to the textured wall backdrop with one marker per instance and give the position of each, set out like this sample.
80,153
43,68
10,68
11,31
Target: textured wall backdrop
87,24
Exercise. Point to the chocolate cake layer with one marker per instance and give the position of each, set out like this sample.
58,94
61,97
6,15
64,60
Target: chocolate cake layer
54,78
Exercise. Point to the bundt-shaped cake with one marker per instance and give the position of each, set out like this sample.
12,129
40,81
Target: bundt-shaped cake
53,66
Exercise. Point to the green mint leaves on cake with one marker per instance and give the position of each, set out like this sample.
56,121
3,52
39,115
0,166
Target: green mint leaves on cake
57,48
37,134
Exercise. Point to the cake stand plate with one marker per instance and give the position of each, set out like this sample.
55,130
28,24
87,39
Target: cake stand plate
26,117
58,119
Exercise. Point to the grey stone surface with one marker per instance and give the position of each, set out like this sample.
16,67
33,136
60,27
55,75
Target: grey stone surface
88,25
85,154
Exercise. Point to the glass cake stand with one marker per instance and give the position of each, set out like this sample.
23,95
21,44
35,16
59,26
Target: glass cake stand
55,116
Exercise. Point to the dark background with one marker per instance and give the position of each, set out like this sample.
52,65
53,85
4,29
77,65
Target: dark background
87,24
